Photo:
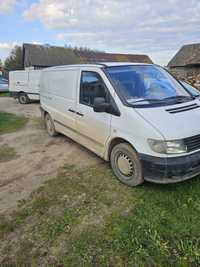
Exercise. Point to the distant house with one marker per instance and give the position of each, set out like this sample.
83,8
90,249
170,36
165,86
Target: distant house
42,56
186,63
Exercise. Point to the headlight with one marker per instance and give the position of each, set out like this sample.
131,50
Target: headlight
167,147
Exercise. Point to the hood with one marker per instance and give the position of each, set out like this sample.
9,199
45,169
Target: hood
174,121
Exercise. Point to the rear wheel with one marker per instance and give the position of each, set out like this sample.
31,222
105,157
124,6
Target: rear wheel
126,164
23,98
50,125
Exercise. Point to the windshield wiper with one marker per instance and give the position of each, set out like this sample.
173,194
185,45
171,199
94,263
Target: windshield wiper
150,100
179,98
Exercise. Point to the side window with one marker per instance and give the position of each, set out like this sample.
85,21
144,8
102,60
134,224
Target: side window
92,86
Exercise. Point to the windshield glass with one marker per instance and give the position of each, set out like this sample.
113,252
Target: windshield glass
144,84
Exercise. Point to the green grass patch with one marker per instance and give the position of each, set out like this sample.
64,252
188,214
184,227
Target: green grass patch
87,218
7,153
11,122
6,94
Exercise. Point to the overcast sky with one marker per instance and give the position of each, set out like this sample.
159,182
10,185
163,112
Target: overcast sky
157,27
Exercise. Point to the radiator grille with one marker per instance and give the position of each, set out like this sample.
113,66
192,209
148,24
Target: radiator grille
192,143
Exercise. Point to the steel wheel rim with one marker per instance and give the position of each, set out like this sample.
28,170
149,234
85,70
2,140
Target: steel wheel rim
49,125
125,165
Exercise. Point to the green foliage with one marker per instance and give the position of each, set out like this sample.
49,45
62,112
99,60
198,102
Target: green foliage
11,122
15,60
4,94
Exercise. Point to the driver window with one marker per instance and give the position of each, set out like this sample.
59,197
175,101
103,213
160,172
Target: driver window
92,86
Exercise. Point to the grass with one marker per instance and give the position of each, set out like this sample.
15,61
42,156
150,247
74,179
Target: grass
10,122
87,218
7,153
38,123
6,94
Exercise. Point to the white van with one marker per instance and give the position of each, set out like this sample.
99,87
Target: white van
24,85
137,116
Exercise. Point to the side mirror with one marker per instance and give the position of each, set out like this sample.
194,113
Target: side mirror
100,105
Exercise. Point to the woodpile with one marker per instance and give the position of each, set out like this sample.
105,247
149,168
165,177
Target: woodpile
193,79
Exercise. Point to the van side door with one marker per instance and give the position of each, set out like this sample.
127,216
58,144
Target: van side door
93,128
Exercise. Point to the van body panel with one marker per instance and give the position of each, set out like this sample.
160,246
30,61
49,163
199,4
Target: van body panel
168,123
34,78
26,81
131,127
18,81
59,97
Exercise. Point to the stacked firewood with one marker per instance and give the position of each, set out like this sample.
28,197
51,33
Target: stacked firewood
193,79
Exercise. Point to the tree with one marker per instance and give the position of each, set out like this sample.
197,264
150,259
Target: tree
83,49
15,60
1,65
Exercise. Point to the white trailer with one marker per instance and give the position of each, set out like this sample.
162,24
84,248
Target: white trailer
24,85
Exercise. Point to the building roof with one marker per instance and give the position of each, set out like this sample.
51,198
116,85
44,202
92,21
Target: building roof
92,57
46,56
187,55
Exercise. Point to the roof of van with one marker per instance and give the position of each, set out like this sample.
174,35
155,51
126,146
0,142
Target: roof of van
99,65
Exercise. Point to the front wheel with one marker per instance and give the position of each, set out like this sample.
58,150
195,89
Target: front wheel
50,125
23,98
126,164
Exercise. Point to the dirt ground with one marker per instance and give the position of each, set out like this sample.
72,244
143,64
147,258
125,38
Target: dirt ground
12,105
39,156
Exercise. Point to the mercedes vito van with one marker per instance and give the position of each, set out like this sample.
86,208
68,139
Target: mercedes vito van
137,116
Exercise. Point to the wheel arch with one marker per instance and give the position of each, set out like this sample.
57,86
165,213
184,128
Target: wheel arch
115,141
43,112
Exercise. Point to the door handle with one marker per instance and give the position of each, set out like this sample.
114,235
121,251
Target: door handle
71,110
79,114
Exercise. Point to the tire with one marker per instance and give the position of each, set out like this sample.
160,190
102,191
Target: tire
50,127
23,98
126,165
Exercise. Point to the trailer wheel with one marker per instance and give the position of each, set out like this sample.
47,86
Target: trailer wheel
23,98
50,126
126,164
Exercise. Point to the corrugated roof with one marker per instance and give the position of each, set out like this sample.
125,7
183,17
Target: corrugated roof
39,55
187,55
92,57
46,56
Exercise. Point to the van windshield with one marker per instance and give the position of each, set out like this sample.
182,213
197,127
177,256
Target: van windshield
147,84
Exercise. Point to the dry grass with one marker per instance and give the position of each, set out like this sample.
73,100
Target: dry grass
7,153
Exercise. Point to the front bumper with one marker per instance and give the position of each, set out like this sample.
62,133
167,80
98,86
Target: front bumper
170,170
